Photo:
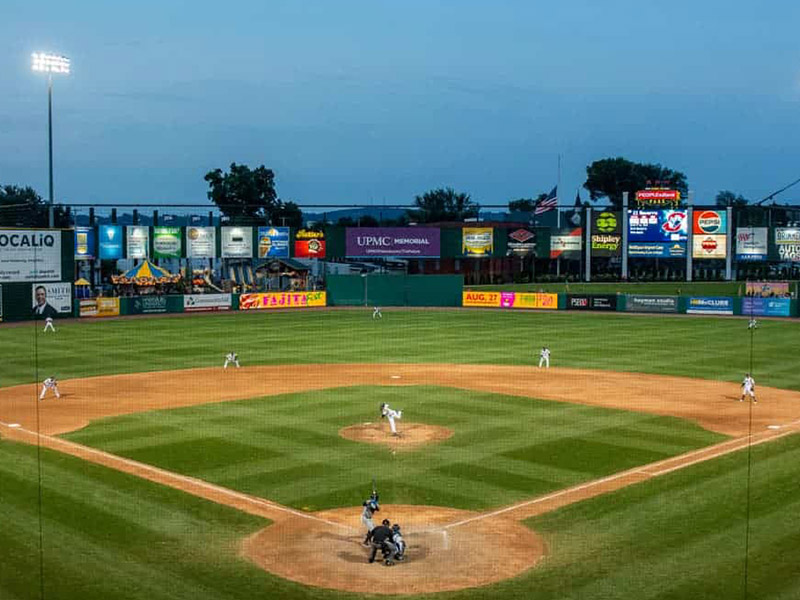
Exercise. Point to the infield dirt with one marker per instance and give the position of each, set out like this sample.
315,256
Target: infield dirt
448,549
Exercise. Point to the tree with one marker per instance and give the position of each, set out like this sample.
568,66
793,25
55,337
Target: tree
610,177
728,198
443,204
24,207
288,214
243,195
525,204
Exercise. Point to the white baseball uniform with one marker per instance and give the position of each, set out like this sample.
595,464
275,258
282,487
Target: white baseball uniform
748,388
48,324
391,415
49,384
544,358
376,314
231,358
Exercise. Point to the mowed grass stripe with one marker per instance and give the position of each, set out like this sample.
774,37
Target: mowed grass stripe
290,453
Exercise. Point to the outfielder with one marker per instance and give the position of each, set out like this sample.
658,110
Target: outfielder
544,357
231,358
752,324
49,384
748,388
371,506
48,324
376,313
390,414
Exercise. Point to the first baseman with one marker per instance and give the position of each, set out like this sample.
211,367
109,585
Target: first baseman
49,384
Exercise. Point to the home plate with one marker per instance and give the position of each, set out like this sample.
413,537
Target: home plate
773,426
395,376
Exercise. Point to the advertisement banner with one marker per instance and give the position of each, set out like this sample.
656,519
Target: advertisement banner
709,246
481,299
787,240
309,244
167,242
606,234
278,300
1,303
660,197
110,242
709,222
657,226
521,242
529,301
30,255
99,307
592,302
84,243
206,302
273,242
51,300
412,242
654,304
658,250
751,243
567,244
477,241
766,307
767,289
143,305
237,242
710,306
138,245
201,242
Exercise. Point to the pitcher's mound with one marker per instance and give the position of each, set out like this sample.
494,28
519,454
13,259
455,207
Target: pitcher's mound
412,435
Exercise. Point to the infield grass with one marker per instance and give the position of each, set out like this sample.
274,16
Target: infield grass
704,347
680,536
287,448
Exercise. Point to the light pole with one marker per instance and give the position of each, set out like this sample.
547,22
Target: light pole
50,63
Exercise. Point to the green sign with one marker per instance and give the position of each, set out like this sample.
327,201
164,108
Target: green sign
167,242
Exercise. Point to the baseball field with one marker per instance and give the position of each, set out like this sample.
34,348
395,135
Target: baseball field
627,470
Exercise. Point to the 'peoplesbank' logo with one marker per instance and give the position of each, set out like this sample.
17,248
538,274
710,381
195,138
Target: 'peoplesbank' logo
675,223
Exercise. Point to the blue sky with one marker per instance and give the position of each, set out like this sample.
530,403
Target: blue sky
373,102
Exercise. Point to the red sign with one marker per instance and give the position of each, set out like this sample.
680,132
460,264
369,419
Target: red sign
309,248
671,195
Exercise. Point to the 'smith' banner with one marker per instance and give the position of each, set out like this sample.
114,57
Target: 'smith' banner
30,255
51,300
282,300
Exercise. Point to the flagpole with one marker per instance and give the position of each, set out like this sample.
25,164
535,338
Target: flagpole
558,216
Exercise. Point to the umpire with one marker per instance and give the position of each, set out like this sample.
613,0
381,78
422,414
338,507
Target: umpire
382,540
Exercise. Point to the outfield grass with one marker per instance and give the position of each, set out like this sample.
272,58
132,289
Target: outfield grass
705,347
287,448
679,536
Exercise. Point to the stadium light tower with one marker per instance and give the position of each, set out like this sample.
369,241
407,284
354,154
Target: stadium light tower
50,63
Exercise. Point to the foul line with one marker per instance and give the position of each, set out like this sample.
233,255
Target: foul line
703,454
170,476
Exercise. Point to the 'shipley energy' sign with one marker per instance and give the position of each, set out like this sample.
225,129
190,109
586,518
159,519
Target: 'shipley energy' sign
30,255
606,237
709,231
404,242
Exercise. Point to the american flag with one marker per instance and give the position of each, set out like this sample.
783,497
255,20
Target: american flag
549,203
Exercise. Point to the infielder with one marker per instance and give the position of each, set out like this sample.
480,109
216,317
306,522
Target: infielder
231,358
376,313
544,357
388,413
371,506
748,388
48,324
49,384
